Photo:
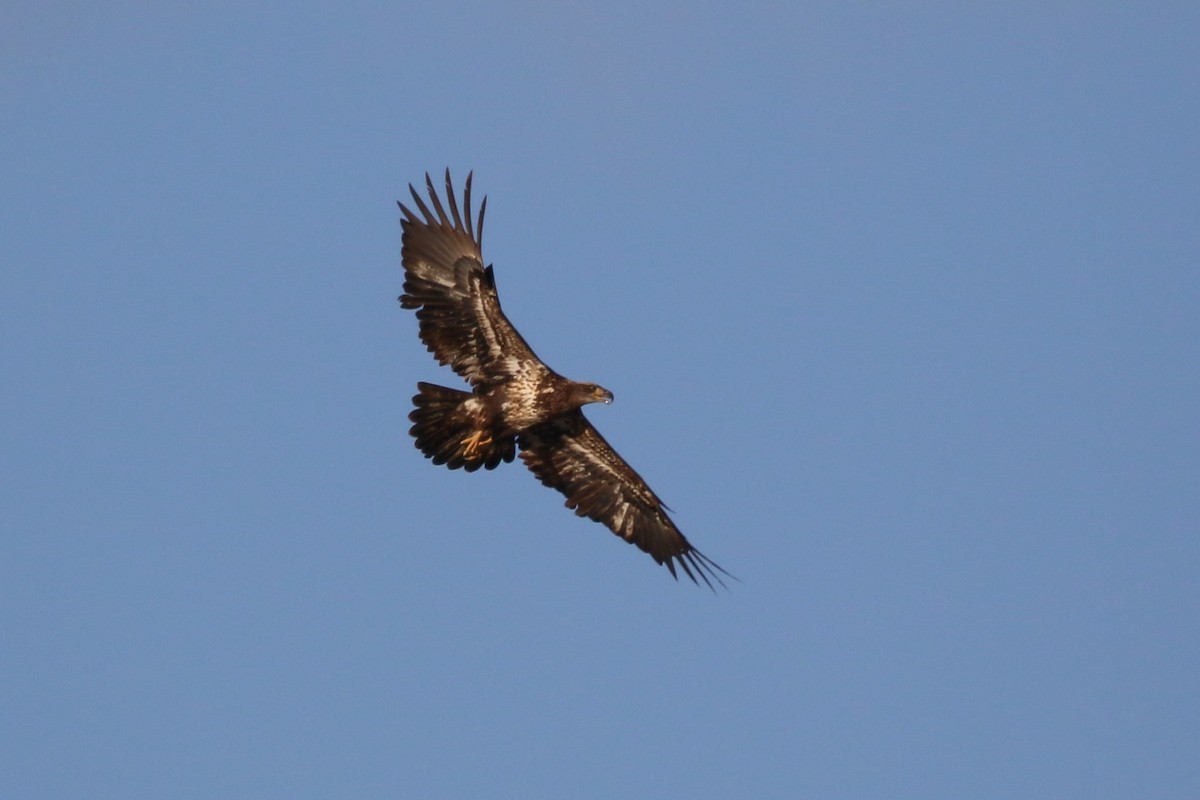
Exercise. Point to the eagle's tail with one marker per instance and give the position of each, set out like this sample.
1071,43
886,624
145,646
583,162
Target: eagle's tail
446,433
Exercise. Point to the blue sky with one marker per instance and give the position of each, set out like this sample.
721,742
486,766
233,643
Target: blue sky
899,303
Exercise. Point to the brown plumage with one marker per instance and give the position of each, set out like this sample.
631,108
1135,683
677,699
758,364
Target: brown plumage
516,400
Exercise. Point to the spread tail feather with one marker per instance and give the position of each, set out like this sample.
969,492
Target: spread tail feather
442,428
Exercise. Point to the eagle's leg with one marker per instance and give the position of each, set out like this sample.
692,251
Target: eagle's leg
473,444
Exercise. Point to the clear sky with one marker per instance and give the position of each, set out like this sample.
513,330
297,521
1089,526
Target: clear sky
901,307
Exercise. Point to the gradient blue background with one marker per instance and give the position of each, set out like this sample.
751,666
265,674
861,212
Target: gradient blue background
900,304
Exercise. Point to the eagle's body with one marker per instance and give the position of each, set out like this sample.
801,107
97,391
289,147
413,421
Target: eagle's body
516,400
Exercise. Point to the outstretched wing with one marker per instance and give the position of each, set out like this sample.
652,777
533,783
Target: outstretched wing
455,296
569,455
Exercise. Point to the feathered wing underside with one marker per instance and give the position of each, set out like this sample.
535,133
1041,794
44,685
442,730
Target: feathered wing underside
569,455
458,309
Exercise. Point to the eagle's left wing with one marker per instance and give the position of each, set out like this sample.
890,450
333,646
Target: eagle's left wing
454,295
569,455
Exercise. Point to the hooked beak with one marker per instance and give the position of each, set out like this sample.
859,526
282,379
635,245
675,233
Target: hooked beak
603,395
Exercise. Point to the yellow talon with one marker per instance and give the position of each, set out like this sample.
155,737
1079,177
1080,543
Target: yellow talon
476,442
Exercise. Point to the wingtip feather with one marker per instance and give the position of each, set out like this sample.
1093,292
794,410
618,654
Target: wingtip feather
705,567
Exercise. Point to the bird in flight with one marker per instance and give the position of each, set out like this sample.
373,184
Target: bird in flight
516,402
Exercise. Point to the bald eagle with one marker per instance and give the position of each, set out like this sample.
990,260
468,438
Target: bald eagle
516,401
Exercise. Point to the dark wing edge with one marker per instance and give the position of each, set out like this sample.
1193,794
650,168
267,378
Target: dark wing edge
455,298
570,455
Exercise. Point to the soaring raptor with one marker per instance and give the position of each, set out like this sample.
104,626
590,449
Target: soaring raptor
516,401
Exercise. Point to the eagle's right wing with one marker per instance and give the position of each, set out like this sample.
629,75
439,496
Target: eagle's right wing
455,296
569,455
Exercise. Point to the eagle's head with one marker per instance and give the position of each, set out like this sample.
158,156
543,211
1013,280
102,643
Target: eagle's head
591,393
